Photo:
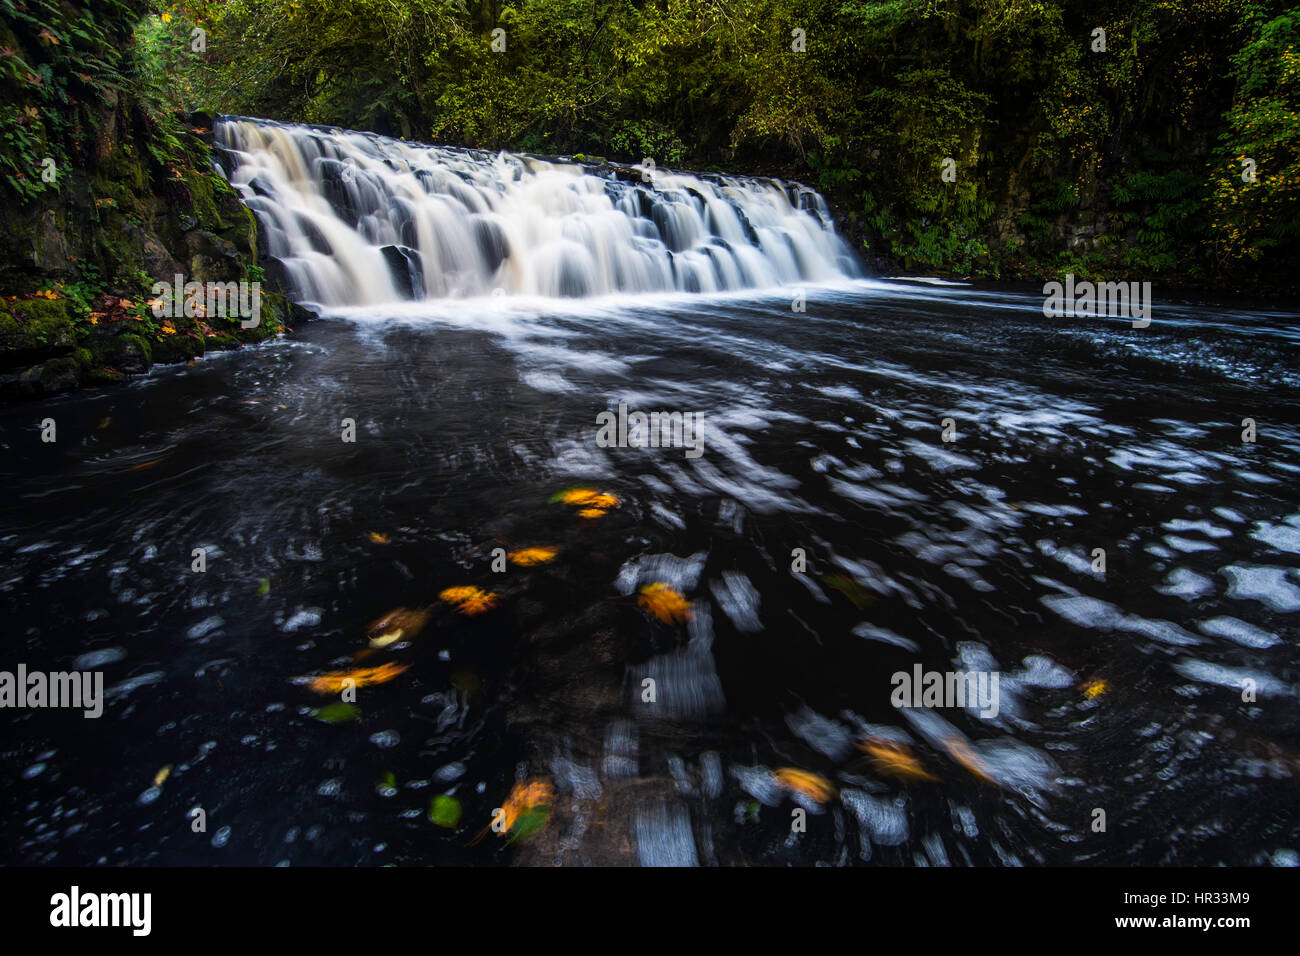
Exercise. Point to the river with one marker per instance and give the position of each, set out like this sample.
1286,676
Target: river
826,537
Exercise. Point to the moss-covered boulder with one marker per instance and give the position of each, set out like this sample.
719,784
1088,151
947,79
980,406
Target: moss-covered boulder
129,353
45,378
221,341
180,347
34,328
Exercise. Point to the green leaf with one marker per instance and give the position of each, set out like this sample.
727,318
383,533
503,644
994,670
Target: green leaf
339,713
445,812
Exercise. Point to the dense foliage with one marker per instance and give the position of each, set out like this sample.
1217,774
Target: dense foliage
1125,155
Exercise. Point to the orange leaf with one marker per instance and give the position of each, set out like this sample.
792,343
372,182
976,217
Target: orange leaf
665,604
399,623
528,557
894,759
469,600
333,682
378,537
591,513
577,496
813,786
527,796
588,497
961,752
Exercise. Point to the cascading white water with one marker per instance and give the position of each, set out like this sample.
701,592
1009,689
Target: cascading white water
360,219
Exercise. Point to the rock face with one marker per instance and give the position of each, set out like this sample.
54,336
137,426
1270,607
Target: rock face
109,233
134,200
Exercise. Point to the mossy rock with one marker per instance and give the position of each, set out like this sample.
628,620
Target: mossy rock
200,187
129,353
50,378
177,348
36,326
102,376
221,341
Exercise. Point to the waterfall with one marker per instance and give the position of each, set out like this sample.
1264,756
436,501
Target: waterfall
360,219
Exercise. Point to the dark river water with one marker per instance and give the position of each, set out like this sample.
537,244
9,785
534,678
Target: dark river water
1120,691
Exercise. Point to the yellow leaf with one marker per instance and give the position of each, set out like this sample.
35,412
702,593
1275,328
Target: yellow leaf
469,600
1095,688
578,496
591,513
333,682
811,785
894,759
162,775
665,604
378,537
589,498
528,557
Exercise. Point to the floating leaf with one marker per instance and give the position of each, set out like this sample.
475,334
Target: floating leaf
340,713
333,682
469,600
401,623
529,557
587,497
894,759
263,587
961,752
1095,688
445,812
813,786
665,604
527,808
161,776
468,686
592,513
378,537
855,592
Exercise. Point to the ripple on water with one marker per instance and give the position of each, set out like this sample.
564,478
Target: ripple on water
1262,583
